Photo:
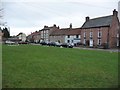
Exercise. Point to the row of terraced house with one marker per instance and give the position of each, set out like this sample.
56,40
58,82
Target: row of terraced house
93,33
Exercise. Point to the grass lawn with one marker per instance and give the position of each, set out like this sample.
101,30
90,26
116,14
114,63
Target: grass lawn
32,66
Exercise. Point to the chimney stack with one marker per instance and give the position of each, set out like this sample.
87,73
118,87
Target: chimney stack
70,25
54,25
115,13
58,27
87,18
45,26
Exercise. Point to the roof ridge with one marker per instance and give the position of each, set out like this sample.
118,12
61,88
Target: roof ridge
98,22
101,17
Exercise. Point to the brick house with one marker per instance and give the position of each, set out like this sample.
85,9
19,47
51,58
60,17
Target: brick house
58,35
37,36
66,35
34,37
46,31
101,31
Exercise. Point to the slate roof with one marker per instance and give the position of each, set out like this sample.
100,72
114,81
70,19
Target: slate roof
74,31
98,22
34,33
66,31
59,32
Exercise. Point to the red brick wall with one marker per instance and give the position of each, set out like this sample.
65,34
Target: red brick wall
113,32
95,31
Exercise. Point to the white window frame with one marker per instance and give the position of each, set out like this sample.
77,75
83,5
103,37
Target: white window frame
84,41
99,34
91,34
117,35
84,34
99,41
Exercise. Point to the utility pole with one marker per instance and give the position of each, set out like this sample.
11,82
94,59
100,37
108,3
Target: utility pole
1,17
2,23
1,13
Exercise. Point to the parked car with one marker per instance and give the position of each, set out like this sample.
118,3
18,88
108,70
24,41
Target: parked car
51,44
9,42
54,44
66,45
43,43
57,44
21,42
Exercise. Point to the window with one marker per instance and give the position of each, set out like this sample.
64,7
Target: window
72,41
99,41
77,36
68,36
91,34
84,34
117,42
68,41
84,42
117,35
46,31
99,34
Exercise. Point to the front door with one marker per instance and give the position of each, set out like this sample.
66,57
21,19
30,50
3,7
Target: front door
91,42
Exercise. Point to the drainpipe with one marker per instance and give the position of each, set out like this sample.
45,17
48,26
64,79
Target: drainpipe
108,38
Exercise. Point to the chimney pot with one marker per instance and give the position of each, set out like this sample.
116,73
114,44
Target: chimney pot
54,25
115,13
70,25
87,18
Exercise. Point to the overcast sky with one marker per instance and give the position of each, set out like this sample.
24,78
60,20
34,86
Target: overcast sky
30,15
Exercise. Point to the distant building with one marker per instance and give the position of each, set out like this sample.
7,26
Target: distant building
34,37
22,36
97,32
46,31
66,35
101,31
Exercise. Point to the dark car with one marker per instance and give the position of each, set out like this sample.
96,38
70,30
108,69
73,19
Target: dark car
54,44
51,44
22,42
43,43
66,45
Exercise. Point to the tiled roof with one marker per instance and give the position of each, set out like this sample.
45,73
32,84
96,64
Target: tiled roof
66,31
34,33
74,31
58,32
47,28
98,22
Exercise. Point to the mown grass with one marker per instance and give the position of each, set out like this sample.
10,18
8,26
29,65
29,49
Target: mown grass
29,66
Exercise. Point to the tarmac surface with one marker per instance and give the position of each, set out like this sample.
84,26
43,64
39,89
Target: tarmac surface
110,50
